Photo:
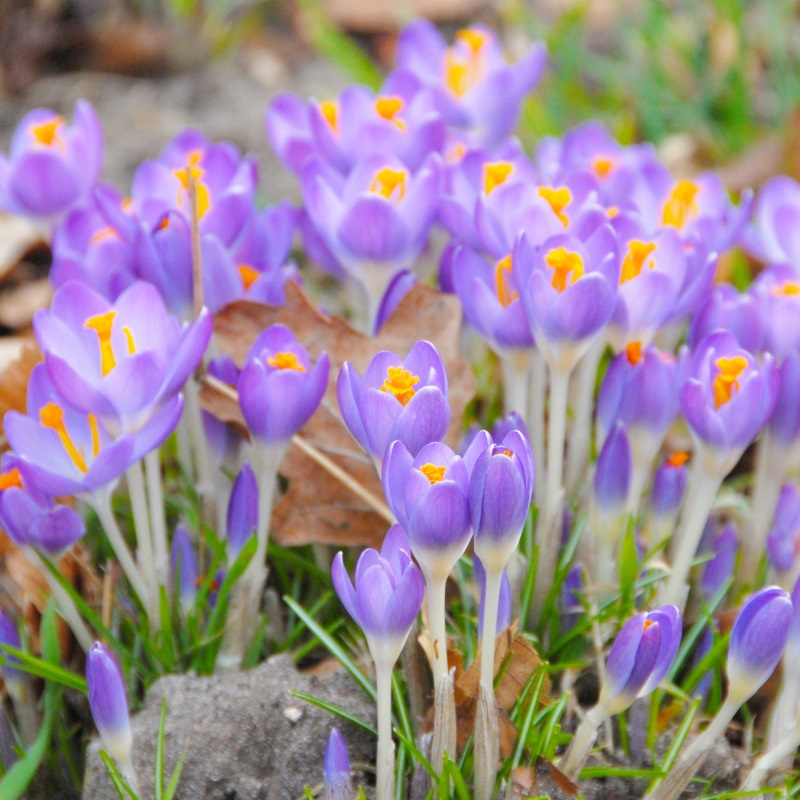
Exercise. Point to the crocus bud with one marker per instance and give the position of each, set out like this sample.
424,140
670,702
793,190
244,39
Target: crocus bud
400,286
511,422
783,541
503,607
669,486
500,491
720,567
36,522
184,567
108,704
757,640
336,767
242,510
570,602
612,479
640,657
10,638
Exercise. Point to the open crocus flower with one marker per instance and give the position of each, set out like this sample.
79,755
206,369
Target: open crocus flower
64,451
404,399
570,293
402,119
739,313
51,166
777,289
121,361
376,221
776,221
477,89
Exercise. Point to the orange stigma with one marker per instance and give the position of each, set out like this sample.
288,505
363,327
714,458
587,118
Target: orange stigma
503,271
726,383
648,623
463,70
433,473
48,133
681,205
496,174
9,479
678,459
249,275
286,361
563,262
558,199
330,110
634,353
634,260
788,289
612,211
602,165
400,383
102,325
52,416
388,107
192,172
389,183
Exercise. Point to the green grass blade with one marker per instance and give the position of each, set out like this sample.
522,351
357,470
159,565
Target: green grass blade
332,708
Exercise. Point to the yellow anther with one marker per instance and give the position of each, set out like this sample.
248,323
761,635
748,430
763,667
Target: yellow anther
473,37
48,133
192,172
286,361
389,183
129,340
496,174
52,416
681,204
558,200
400,382
249,275
507,453
634,353
104,233
389,107
433,473
456,153
503,272
462,70
787,289
602,165
95,434
726,383
330,110
612,211
678,459
648,623
634,259
9,479
102,325
563,262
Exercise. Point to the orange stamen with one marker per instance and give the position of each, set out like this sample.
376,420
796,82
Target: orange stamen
249,275
563,262
102,325
681,204
496,174
612,211
602,165
95,434
389,107
678,459
558,200
52,416
502,274
286,361
433,473
193,172
648,623
634,259
104,233
726,383
330,110
389,183
9,479
634,353
400,382
787,289
48,133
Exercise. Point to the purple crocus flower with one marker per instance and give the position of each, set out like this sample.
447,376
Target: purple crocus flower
51,166
669,486
500,492
65,451
242,510
612,478
278,388
728,398
385,600
108,703
720,566
224,441
783,541
759,634
10,637
511,422
121,361
640,657
777,289
398,288
571,293
429,495
504,604
728,309
403,399
477,89
52,529
784,424
184,567
776,220
336,768
571,603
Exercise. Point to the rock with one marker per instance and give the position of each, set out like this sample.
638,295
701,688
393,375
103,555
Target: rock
245,737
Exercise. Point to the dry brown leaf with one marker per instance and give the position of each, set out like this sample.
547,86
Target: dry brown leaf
317,508
17,237
540,780
19,303
14,380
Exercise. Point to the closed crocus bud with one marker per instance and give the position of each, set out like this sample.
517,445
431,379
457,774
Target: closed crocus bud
612,479
109,705
184,567
36,522
500,492
429,495
511,422
397,399
720,567
570,602
783,541
669,486
9,637
242,510
640,657
757,640
279,390
336,768
504,605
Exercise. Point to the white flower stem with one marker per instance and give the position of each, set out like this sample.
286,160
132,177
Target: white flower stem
101,503
536,402
158,522
66,606
784,714
384,785
203,463
703,488
582,743
491,603
773,758
144,539
516,370
126,770
438,629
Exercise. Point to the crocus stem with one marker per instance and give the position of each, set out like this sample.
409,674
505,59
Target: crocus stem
375,279
582,743
773,758
703,488
580,438
516,370
438,630
185,448
66,606
102,506
785,708
487,745
384,785
536,401
126,770
155,494
144,539
25,708
202,458
547,530
492,601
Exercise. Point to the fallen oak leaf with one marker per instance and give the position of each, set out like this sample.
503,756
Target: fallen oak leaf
14,379
316,507
542,779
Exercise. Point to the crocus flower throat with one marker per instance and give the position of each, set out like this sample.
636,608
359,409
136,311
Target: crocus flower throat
433,473
496,174
389,183
558,199
388,107
503,273
48,133
194,171
286,361
681,204
102,325
726,383
400,383
635,258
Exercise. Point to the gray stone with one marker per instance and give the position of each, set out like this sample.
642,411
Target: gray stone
245,737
